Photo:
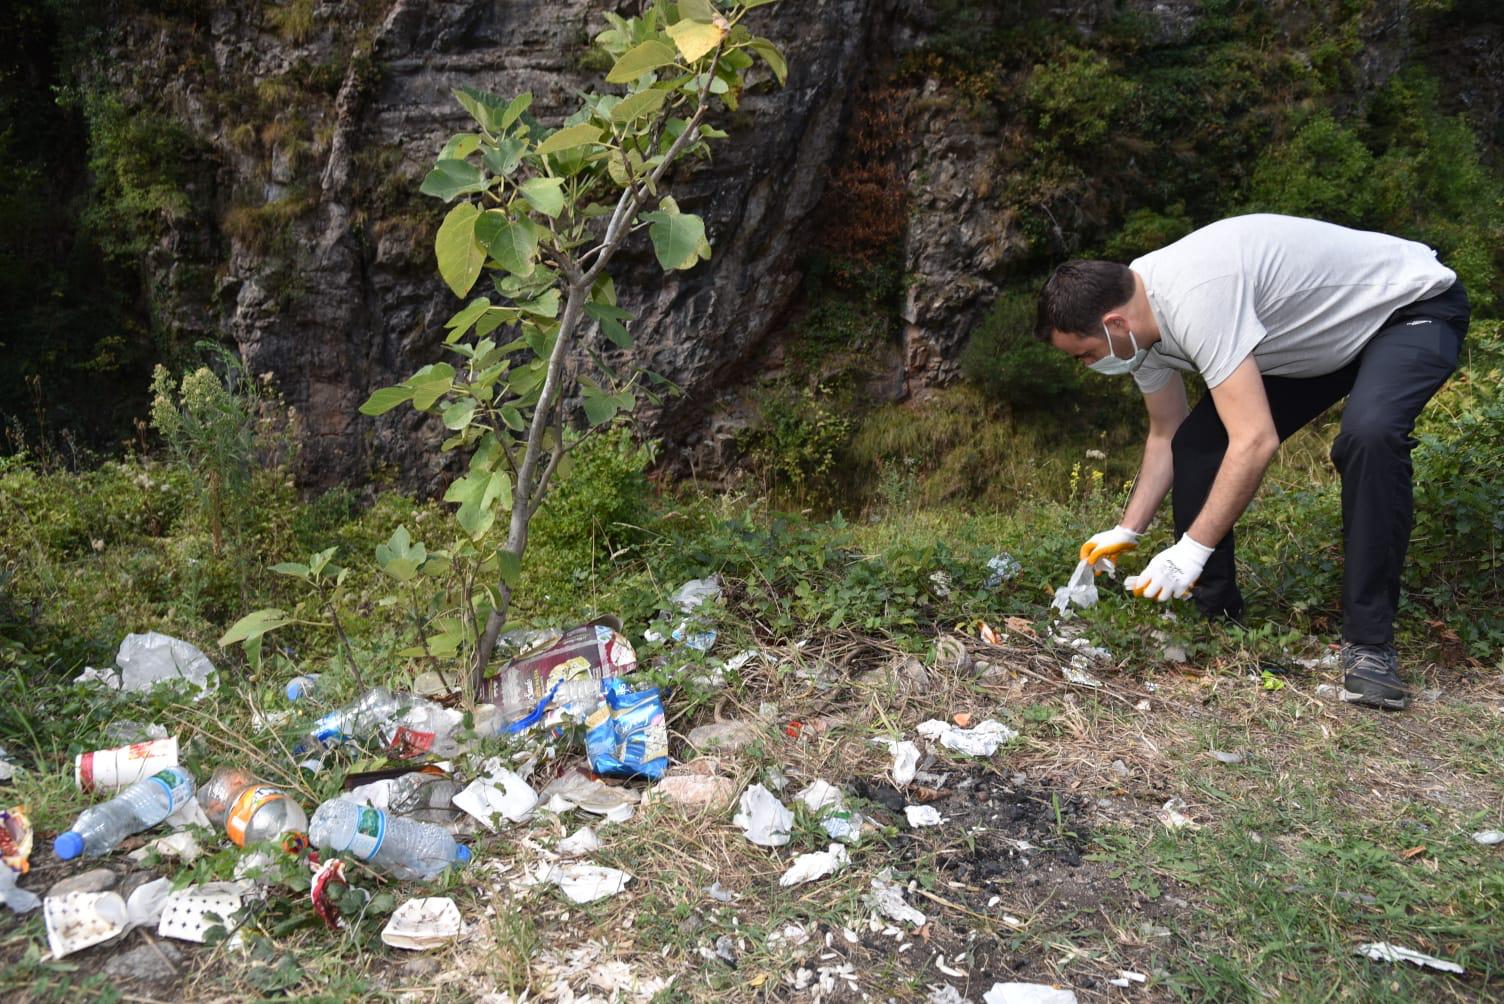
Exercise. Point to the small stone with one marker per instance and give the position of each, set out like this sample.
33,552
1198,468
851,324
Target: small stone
1175,653
151,965
1120,768
729,736
94,880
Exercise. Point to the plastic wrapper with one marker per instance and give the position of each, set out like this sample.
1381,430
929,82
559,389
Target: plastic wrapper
627,737
594,651
15,859
145,660
1080,590
422,924
817,865
765,820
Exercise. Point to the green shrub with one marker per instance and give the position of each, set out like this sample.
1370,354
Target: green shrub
1323,171
795,448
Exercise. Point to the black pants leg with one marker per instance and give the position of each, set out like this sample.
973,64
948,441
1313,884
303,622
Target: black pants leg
1398,372
1198,447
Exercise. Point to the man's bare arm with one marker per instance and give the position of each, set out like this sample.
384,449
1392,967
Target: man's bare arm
1251,442
1167,409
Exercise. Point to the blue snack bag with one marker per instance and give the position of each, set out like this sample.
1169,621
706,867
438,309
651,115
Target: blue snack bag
627,736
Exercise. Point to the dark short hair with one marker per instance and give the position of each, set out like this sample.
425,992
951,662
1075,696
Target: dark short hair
1078,294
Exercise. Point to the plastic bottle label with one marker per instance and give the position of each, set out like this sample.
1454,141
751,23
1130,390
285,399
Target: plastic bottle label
408,743
178,785
329,729
246,806
370,830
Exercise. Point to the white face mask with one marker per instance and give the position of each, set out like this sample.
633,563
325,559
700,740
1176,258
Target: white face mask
1111,364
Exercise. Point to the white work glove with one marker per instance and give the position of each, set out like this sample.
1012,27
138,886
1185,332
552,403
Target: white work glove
1172,573
1108,545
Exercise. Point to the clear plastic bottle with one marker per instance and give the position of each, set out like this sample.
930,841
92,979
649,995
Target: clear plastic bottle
356,720
303,686
249,810
100,828
401,847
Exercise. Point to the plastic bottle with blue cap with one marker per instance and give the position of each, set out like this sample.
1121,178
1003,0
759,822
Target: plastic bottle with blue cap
100,828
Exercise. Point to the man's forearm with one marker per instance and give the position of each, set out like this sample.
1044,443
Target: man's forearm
1237,479
1155,476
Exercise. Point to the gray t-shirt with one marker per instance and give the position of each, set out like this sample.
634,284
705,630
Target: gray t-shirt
1302,296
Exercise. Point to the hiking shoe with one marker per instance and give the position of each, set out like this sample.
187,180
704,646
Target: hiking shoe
1371,677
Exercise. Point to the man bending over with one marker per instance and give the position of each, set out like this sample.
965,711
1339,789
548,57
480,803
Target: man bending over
1282,317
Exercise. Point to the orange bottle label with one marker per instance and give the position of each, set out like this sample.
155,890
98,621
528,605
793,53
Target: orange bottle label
246,806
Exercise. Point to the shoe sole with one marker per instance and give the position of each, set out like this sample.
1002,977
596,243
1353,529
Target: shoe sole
1385,702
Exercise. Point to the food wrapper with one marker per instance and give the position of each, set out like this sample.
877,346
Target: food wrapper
15,859
627,736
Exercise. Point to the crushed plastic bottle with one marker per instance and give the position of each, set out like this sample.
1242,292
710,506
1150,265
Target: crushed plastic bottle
100,828
249,810
400,847
303,686
357,720
423,728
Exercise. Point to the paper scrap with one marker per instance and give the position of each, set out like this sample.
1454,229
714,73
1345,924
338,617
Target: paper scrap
817,865
981,740
765,820
1383,951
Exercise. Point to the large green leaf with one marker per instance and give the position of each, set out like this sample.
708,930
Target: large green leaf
514,110
610,319
678,238
254,625
570,137
504,157
694,39
635,106
640,59
544,194
452,178
384,400
545,304
399,557
513,243
431,383
599,408
697,10
484,108
460,257
468,315
770,54
458,415
460,146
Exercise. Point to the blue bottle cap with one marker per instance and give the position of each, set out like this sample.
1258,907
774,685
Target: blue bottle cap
68,845
461,854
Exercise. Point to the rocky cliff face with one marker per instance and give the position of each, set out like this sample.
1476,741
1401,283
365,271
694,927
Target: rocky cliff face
322,117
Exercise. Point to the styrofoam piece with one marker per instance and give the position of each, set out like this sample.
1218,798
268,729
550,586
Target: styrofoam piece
579,843
1383,951
76,920
765,820
923,815
1489,837
1027,993
817,865
584,882
499,792
424,923
983,739
191,911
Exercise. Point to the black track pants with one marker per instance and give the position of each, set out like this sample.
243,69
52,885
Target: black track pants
1386,386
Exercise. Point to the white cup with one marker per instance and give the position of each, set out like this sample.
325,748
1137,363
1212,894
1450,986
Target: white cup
111,770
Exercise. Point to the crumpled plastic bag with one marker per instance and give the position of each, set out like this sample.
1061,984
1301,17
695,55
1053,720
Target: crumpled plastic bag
1027,993
1080,590
981,740
145,660
15,859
